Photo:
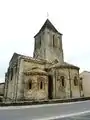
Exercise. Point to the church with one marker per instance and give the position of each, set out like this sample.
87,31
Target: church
45,75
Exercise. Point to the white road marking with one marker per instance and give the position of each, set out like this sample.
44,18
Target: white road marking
64,116
37,106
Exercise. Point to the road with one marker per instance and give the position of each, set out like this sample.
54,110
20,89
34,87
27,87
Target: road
65,111
82,117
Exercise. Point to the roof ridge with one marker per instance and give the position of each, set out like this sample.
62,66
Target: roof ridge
48,24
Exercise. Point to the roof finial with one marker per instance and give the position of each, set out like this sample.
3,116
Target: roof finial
47,15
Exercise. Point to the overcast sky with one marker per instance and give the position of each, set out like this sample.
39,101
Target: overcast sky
20,20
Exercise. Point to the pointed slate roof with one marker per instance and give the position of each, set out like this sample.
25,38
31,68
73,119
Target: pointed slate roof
48,25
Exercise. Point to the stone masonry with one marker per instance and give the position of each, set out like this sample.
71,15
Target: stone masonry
45,75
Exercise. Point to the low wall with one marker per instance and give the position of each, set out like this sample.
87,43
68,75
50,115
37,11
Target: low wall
22,103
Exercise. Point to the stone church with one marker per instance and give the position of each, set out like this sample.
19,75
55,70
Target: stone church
45,75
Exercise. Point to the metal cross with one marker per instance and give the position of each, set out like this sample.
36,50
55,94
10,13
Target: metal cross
47,15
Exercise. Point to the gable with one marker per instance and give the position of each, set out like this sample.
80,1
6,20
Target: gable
48,25
14,57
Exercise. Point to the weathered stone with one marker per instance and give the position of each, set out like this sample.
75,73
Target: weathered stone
39,78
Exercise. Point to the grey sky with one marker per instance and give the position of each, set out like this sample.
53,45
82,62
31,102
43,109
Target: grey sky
20,20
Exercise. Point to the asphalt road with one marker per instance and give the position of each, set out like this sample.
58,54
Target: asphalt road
42,112
80,117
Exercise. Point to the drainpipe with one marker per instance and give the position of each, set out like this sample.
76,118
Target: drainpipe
80,82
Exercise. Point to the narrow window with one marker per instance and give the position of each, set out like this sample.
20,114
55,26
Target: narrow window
53,40
30,85
41,85
40,41
11,73
75,81
62,81
35,45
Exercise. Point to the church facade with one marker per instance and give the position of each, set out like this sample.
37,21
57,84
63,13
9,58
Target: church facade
45,75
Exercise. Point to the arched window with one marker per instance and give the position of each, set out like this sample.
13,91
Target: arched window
81,78
30,85
11,73
41,85
62,80
75,81
53,40
40,41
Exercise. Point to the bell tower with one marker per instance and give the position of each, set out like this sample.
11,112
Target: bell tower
48,44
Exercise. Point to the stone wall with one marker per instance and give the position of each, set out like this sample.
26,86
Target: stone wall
48,46
53,46
29,65
18,86
85,75
20,81
2,89
68,89
35,93
26,66
75,88
11,78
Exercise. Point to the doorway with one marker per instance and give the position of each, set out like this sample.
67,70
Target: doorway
50,87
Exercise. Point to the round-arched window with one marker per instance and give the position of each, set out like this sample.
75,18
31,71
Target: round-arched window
41,85
30,85
75,81
41,82
62,80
